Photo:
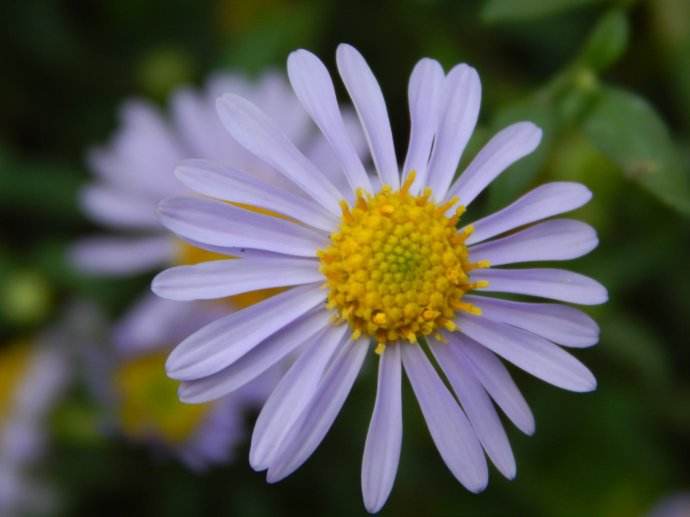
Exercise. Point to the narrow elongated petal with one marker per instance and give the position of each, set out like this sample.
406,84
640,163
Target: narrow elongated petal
221,182
542,202
314,88
496,380
460,110
292,395
256,361
449,428
556,284
558,323
557,239
257,133
222,342
119,209
221,278
384,438
232,252
315,422
504,149
530,352
121,255
477,405
368,100
424,95
220,224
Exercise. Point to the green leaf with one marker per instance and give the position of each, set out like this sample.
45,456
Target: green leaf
512,10
607,42
632,134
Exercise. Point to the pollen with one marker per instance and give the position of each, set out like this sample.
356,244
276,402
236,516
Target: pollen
397,267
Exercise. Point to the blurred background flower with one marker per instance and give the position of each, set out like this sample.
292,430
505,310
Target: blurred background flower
608,81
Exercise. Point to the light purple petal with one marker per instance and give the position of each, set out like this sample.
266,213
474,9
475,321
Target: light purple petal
216,180
119,209
221,224
557,284
424,95
496,380
197,123
222,342
232,252
315,422
291,396
122,255
530,352
262,137
256,361
313,86
141,155
504,149
556,239
449,428
221,278
368,100
152,323
562,324
542,202
477,405
460,109
384,438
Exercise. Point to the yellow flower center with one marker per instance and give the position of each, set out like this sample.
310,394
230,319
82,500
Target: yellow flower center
397,268
15,359
148,403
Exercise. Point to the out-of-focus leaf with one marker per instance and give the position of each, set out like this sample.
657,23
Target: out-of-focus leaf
631,133
607,42
163,69
25,298
510,10
517,179
39,188
274,36
631,344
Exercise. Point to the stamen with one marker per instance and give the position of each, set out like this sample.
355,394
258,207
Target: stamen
397,267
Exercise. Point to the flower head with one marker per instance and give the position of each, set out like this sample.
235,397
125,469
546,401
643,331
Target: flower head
380,259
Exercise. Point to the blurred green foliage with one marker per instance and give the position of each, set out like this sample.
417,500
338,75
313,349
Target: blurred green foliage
608,81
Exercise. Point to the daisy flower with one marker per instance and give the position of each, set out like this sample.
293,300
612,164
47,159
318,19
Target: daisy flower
33,373
386,261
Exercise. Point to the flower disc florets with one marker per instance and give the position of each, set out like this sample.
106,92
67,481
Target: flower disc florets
397,267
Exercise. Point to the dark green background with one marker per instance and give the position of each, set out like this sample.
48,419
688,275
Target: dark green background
608,81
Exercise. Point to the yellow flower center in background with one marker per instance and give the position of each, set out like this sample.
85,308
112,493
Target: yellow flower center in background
397,268
15,359
148,403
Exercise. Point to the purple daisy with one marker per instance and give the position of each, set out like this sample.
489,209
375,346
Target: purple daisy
384,261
